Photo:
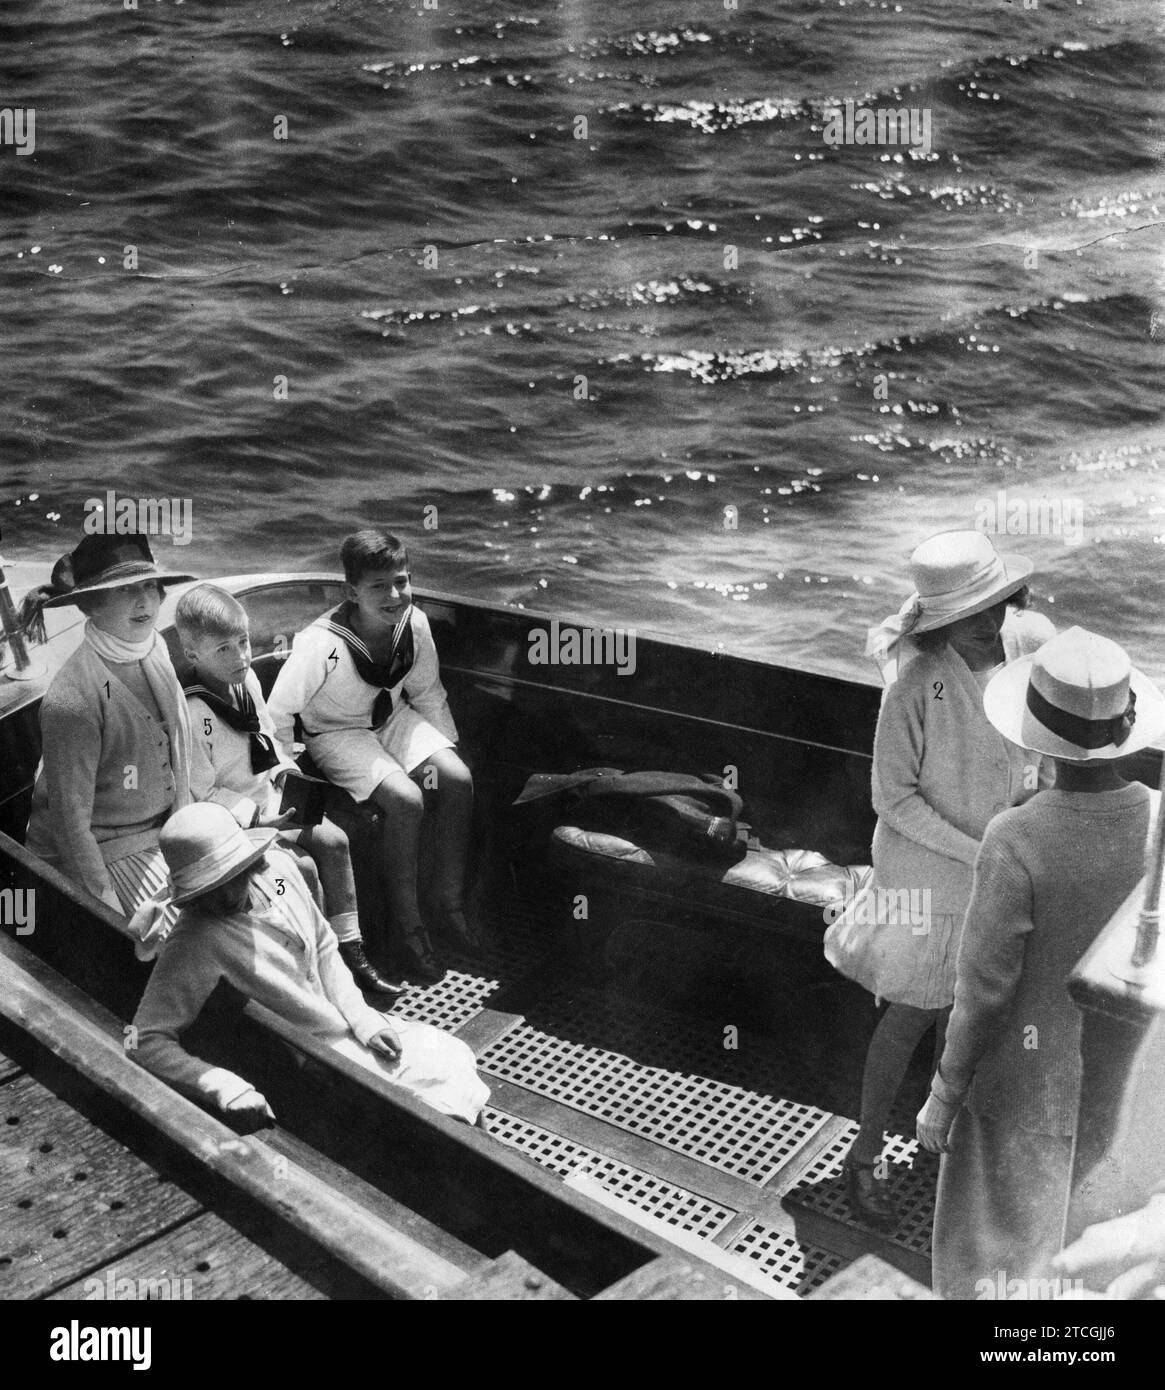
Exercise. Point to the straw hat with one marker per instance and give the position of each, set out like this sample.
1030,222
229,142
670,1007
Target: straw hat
957,574
105,562
1078,698
204,845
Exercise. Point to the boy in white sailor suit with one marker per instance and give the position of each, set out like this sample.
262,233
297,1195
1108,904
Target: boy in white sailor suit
365,682
235,761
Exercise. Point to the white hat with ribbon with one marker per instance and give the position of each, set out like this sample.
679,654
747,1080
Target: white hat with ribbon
1078,698
955,574
204,846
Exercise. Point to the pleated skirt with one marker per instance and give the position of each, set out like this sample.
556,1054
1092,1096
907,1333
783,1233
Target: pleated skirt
142,884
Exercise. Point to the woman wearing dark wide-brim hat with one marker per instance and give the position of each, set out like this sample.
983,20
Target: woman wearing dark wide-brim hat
114,729
1048,877
940,773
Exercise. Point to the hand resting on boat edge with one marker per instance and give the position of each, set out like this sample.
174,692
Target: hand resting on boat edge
246,916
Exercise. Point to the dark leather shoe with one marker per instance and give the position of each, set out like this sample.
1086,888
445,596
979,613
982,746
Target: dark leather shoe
417,961
365,974
869,1196
460,931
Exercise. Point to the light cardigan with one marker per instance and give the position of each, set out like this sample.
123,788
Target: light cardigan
96,737
1048,877
941,772
280,952
220,760
320,683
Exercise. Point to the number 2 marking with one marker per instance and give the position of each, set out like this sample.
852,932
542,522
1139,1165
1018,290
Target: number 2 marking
938,690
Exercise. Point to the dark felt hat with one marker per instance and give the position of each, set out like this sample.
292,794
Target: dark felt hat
105,562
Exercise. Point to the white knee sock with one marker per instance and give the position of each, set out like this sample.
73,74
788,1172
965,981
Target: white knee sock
346,925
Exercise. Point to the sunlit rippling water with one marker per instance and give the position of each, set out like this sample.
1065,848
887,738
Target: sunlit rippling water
441,251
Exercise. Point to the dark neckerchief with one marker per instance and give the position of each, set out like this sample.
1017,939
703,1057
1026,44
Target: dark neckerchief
243,718
384,674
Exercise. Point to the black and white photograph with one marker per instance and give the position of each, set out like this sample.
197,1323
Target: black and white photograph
582,636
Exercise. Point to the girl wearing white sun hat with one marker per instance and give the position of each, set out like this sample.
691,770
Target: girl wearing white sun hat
248,917
940,773
1049,875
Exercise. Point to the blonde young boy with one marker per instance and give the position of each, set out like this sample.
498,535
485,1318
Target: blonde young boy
236,762
366,684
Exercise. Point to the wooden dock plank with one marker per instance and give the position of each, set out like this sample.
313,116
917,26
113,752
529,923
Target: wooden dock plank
87,1037
72,1196
289,1248
203,1259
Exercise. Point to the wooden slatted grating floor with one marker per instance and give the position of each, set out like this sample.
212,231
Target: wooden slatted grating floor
740,1148
737,1150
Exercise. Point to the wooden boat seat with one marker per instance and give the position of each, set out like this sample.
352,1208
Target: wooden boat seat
717,939
787,889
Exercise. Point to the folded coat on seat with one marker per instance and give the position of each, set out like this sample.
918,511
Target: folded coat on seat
678,809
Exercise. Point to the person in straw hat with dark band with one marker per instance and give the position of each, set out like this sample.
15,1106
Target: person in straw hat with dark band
248,917
114,729
1049,875
940,773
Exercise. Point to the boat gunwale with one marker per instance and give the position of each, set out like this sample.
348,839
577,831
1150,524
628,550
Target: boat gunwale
275,579
257,583
244,585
